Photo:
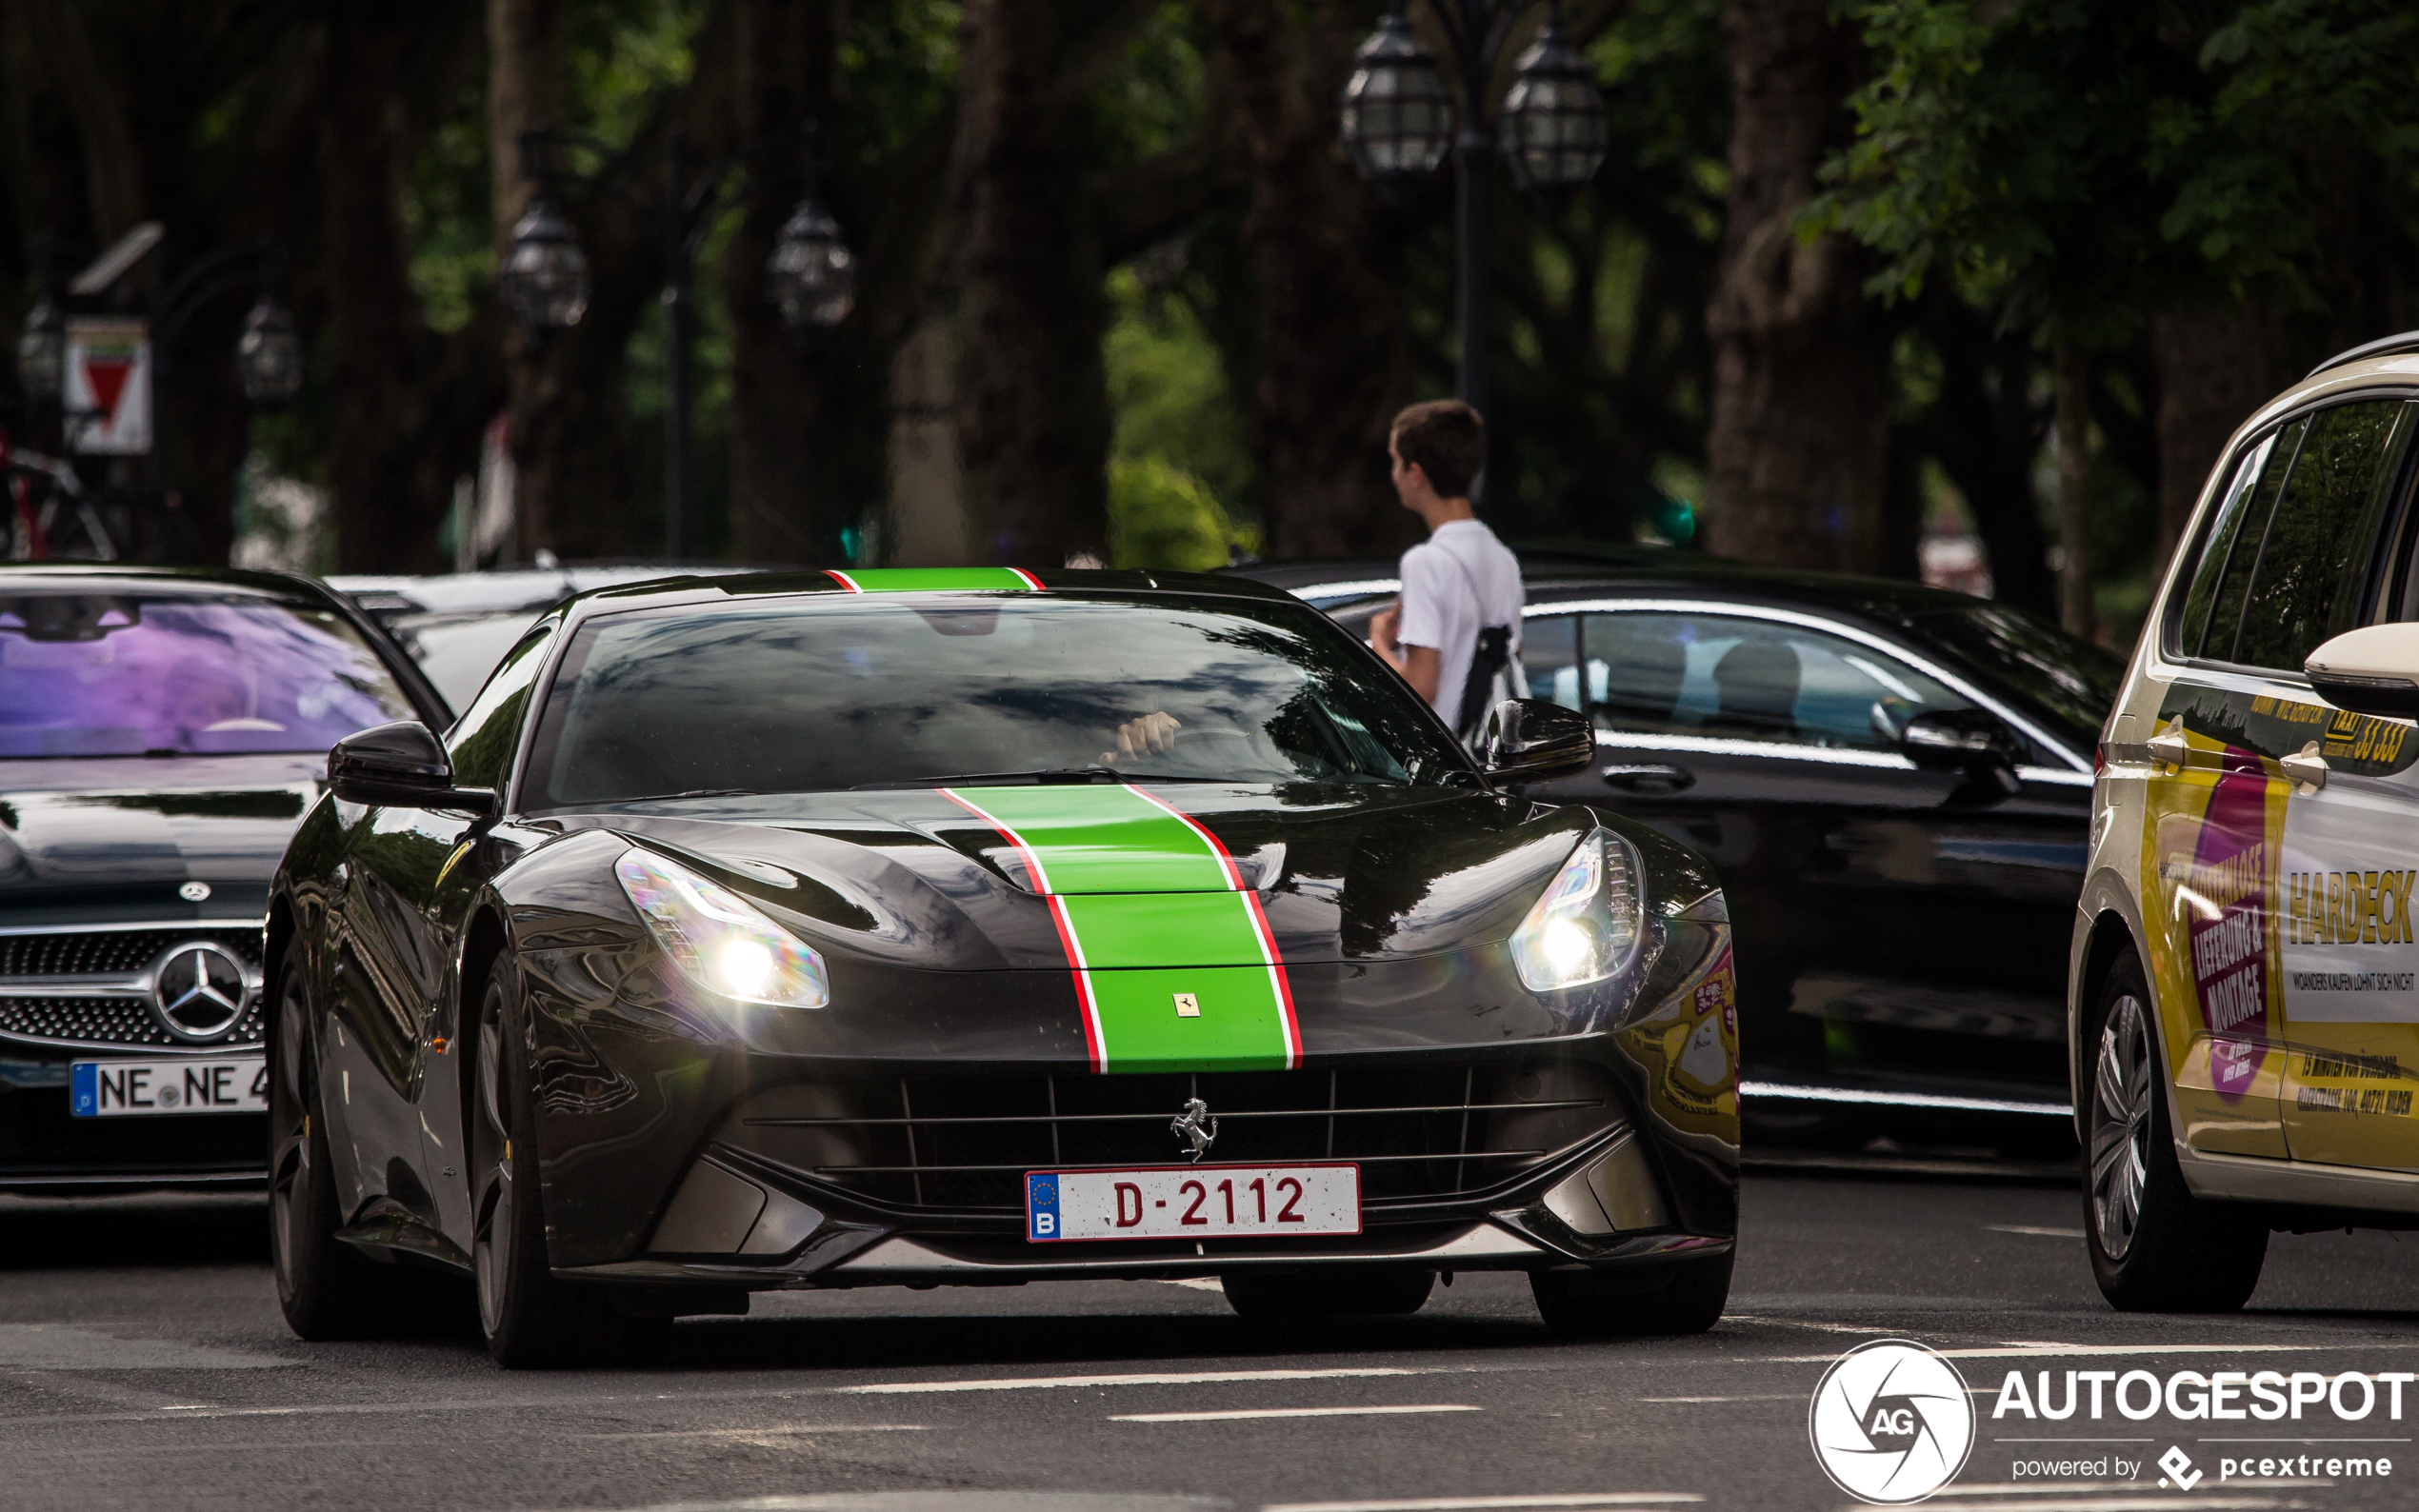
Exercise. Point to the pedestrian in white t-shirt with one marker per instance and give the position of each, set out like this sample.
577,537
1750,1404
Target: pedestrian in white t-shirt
1454,634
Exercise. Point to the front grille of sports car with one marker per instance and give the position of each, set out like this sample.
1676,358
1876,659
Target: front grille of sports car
963,1144
86,1009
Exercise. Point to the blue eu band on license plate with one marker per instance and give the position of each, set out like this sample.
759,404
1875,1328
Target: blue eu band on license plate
236,1083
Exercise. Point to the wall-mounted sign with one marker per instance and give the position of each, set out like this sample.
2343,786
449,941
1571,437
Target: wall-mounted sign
109,386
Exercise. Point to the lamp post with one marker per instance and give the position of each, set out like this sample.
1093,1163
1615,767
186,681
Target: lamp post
811,274
1396,120
269,356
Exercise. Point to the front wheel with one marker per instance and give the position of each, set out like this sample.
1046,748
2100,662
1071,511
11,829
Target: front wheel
1681,1297
325,1288
530,1319
2155,1247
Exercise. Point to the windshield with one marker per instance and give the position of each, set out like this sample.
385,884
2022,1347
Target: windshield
133,674
791,697
2065,674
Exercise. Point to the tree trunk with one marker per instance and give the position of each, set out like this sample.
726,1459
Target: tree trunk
1982,431
2215,369
789,502
389,474
1797,443
2072,378
1032,401
1332,343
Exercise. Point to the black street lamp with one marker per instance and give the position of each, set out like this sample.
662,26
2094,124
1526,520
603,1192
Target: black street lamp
1396,120
810,276
268,357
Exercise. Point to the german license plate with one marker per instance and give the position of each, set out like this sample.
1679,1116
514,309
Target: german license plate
1192,1201
234,1083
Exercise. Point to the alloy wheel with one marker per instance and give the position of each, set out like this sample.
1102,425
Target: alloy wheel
2120,1095
492,1195
290,1152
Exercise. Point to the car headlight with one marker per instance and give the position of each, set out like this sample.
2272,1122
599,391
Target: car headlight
1585,927
717,940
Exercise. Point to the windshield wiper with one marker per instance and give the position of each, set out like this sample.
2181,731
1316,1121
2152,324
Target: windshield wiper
1043,776
694,792
1038,776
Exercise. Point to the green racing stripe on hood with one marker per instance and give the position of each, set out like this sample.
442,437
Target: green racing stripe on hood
1173,960
935,580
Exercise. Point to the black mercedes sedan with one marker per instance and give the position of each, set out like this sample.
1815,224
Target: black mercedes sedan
162,732
936,927
1893,783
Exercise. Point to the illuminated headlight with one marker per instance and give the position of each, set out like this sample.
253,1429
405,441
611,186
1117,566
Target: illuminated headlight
1585,927
717,940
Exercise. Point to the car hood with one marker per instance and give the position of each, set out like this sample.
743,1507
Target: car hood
1343,874
120,839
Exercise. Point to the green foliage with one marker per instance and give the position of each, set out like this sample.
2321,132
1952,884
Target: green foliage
1167,390
1161,516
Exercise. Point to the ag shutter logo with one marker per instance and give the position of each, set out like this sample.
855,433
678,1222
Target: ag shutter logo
1892,1422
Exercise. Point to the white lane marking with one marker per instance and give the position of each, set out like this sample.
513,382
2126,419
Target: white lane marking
2028,1229
1785,1396
1484,1504
1197,1284
1803,1323
1793,1092
2052,1351
902,1389
1293,1412
2140,1503
776,1430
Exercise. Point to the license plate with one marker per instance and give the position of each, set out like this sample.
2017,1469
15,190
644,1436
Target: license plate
1192,1201
236,1083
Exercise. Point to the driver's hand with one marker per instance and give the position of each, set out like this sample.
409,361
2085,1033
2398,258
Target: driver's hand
1146,735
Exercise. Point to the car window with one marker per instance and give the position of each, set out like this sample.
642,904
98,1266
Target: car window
2306,586
2063,673
481,741
85,673
790,696
1727,676
2225,527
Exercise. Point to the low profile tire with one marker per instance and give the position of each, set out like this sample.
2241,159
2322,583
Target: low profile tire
530,1319
327,1289
1685,1297
2155,1247
1298,1296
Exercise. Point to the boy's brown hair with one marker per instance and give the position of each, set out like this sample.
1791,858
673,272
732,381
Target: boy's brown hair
1445,439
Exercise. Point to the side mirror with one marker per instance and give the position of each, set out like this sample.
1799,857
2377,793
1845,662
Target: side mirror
1528,738
1972,741
2371,670
400,766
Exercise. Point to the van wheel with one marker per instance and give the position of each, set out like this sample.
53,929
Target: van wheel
1686,1296
2155,1247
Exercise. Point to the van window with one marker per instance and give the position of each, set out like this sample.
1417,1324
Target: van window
2240,553
2307,583
2192,623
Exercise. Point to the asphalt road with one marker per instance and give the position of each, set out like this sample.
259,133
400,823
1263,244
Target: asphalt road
143,1366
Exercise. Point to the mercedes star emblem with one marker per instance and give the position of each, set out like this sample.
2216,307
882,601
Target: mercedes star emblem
198,992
